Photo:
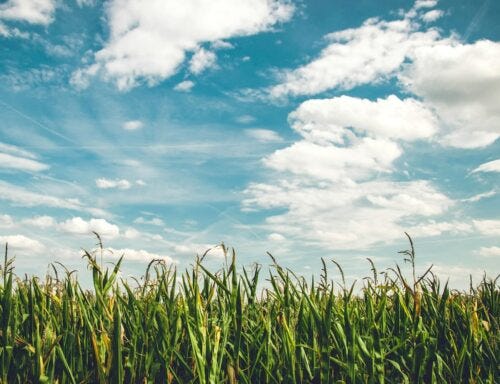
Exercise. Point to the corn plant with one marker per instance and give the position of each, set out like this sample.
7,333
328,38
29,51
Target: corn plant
203,326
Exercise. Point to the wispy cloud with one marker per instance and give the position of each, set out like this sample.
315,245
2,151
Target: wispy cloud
264,135
12,157
153,221
21,196
490,166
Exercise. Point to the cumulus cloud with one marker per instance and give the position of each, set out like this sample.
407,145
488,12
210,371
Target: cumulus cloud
329,162
332,120
148,41
184,86
489,251
330,183
490,166
276,237
132,125
461,82
432,16
488,227
104,183
346,215
6,221
357,56
79,226
433,228
31,11
131,233
22,243
424,4
202,60
458,275
264,135
40,221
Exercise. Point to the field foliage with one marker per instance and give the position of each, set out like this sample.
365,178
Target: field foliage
223,327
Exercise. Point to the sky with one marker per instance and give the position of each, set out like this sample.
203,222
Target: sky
307,129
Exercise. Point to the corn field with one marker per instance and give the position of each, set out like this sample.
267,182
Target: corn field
223,327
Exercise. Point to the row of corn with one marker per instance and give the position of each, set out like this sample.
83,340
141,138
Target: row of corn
239,326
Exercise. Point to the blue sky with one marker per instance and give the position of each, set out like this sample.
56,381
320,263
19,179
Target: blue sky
307,129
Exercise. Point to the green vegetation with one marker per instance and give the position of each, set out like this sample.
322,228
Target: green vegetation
204,327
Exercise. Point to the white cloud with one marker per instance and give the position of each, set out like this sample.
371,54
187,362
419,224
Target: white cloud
462,83
245,119
433,228
345,215
479,196
332,120
331,182
184,86
264,135
458,275
80,79
30,11
221,44
148,41
193,249
276,237
153,221
432,16
459,83
104,183
12,157
357,56
40,221
490,166
20,163
488,227
6,221
86,3
131,233
140,183
16,151
132,125
425,4
489,251
79,226
329,162
139,255
21,196
22,243
202,60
